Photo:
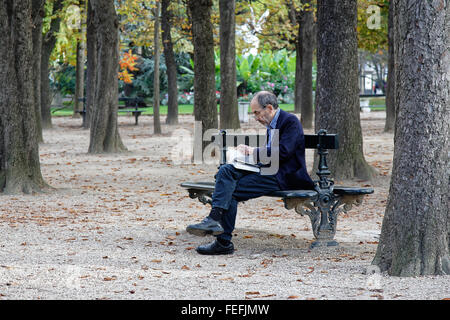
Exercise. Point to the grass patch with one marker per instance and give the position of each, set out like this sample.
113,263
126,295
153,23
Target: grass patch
182,109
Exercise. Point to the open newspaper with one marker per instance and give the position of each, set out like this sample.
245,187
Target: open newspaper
241,161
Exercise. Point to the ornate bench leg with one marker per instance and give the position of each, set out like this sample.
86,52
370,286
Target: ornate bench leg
321,211
328,222
326,229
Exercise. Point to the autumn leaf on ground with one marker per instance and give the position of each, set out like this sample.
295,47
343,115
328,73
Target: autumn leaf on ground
110,278
156,260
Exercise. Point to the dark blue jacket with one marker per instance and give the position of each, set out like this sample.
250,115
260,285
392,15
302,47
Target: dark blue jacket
292,172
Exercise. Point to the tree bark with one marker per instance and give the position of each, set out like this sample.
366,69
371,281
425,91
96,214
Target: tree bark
172,108
306,47
104,132
390,86
79,79
337,94
205,105
229,118
415,233
156,55
37,20
91,69
19,151
48,43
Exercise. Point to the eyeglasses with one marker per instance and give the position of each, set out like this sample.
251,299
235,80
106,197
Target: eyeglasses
257,113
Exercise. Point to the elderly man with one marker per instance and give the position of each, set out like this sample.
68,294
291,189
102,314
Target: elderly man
234,185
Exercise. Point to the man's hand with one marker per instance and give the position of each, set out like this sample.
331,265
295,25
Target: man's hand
245,149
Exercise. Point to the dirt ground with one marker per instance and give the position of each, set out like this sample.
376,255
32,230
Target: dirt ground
114,228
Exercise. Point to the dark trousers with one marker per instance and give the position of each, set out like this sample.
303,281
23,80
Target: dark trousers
233,186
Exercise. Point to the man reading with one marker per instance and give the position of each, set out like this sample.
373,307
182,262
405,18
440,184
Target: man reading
234,185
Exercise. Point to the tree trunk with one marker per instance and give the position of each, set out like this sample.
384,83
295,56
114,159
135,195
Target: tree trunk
298,76
104,132
91,70
390,87
205,105
415,232
79,78
172,108
306,48
48,43
19,151
37,20
229,118
156,55
337,94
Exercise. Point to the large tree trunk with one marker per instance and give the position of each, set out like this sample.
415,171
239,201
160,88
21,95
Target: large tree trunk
48,43
172,108
19,152
156,55
205,105
337,94
104,132
390,87
415,233
37,19
229,118
91,70
306,47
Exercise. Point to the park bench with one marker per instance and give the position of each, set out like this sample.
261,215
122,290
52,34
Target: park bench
133,105
322,205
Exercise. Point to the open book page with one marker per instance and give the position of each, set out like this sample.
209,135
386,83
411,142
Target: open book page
241,161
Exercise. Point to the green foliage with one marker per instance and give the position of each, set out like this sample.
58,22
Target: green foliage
143,83
273,71
62,79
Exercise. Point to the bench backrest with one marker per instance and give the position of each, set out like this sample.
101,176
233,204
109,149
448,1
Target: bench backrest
312,141
320,141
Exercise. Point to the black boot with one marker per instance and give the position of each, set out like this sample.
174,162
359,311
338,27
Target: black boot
215,248
209,225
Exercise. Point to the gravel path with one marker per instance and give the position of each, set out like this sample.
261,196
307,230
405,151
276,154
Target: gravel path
114,228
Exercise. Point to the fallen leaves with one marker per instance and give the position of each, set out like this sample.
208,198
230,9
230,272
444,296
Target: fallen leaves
156,261
266,262
112,278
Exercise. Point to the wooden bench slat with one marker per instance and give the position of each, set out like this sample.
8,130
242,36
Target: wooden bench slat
301,194
199,185
329,141
304,194
351,191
